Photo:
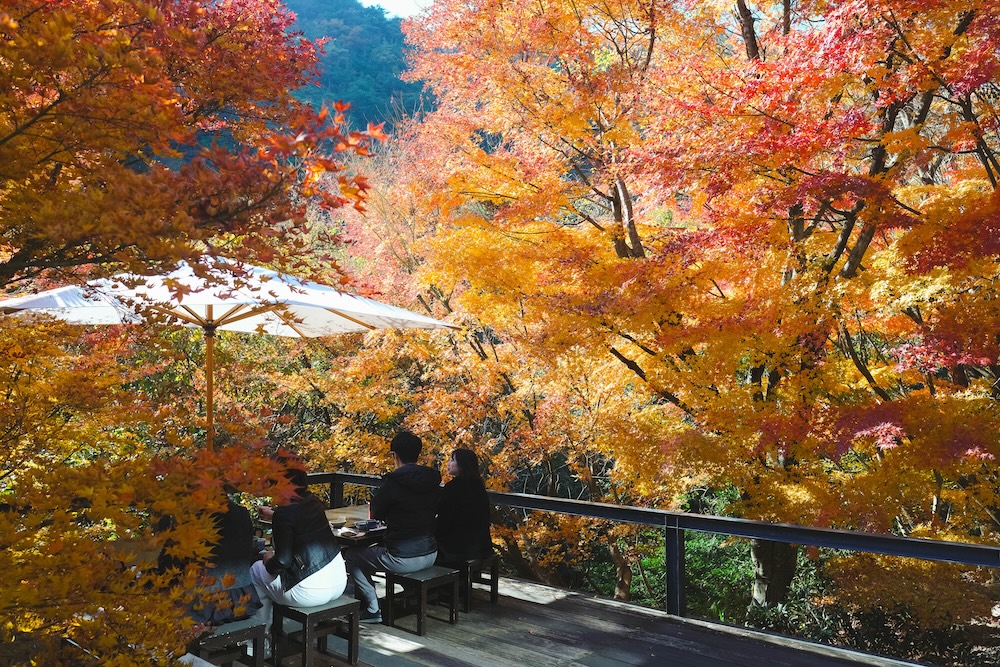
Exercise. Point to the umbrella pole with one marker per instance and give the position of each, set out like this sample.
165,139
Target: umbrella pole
209,389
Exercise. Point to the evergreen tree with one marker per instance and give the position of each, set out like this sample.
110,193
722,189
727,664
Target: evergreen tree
363,59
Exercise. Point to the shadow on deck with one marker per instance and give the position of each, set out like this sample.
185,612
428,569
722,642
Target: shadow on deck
539,626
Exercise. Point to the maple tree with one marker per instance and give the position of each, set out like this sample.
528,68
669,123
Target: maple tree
134,135
839,157
470,389
812,316
83,488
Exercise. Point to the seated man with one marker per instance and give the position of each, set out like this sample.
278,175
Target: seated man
406,502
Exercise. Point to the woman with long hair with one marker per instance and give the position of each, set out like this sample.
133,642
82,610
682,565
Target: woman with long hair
305,567
463,521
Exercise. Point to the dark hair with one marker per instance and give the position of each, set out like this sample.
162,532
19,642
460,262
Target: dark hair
295,471
407,446
299,479
468,464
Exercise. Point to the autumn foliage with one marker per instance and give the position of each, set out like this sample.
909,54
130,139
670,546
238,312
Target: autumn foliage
139,133
713,244
133,135
709,245
804,191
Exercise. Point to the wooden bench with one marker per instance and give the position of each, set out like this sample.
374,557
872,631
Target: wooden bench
417,586
226,644
309,625
480,571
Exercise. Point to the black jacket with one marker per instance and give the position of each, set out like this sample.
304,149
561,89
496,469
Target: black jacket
228,569
463,522
303,541
407,502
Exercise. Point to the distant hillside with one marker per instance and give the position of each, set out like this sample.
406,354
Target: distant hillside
363,60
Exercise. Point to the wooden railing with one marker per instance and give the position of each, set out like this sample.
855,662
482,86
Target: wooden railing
675,523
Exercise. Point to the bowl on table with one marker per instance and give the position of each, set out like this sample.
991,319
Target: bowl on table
338,523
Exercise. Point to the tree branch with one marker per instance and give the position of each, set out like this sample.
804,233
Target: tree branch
860,365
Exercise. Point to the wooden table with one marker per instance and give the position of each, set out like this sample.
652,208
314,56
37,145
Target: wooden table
348,535
136,550
348,515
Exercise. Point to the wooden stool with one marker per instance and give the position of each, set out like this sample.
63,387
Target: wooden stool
480,571
420,583
316,624
223,646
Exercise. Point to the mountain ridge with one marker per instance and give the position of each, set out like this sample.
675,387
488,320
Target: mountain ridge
363,60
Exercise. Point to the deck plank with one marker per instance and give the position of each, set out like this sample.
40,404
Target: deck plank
540,626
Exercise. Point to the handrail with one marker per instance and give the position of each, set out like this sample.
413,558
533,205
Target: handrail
891,545
675,523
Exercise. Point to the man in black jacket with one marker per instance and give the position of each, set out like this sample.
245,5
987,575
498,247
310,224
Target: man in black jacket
406,502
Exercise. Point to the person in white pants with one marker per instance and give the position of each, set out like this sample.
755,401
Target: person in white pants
318,588
305,568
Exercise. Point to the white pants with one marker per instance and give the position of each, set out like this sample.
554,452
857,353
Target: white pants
318,588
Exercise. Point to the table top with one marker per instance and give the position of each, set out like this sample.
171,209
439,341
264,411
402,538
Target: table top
348,515
136,550
346,533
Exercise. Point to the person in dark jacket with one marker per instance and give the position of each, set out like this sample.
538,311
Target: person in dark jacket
407,502
463,521
306,567
229,594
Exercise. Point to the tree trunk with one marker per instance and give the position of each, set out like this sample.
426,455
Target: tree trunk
625,235
746,19
524,566
773,569
623,573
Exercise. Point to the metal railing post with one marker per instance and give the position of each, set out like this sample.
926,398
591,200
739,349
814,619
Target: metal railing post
674,564
336,493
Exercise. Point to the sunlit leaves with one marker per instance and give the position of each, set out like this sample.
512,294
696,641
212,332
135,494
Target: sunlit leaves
105,138
816,324
139,134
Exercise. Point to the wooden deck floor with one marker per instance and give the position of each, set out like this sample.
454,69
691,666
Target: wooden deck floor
539,626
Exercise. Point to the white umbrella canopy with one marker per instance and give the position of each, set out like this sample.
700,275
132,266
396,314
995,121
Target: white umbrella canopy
232,297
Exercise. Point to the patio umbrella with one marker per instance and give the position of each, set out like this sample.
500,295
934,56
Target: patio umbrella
238,297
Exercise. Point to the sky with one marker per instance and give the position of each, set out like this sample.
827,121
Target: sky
400,8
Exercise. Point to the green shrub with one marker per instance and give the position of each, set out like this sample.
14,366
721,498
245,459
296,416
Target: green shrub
719,577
